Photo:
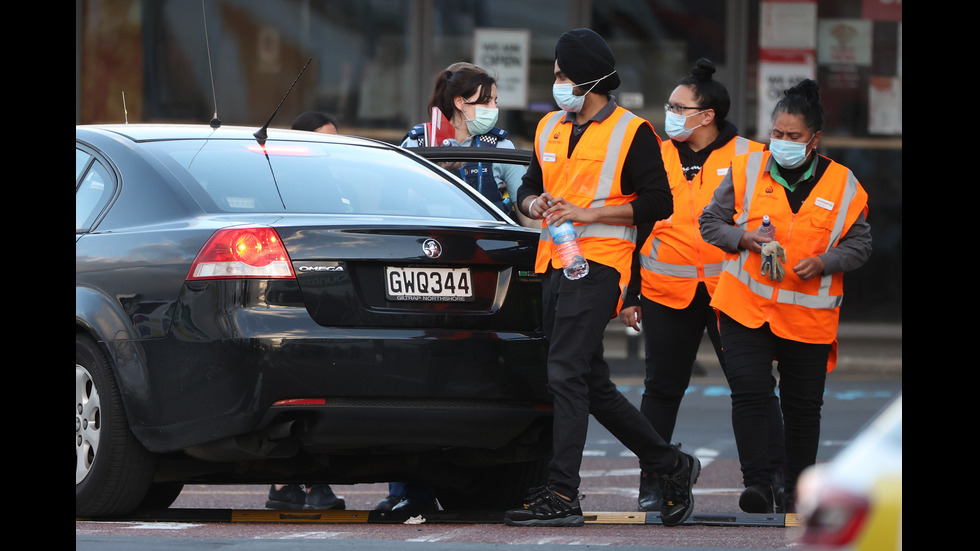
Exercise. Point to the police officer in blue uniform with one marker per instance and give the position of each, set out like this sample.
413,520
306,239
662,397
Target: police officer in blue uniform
467,95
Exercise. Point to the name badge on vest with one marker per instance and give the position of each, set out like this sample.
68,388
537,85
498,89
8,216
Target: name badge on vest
722,171
824,204
548,157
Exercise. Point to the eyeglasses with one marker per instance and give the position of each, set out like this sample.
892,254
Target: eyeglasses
677,109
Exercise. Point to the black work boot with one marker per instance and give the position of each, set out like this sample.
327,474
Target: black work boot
321,496
290,496
756,498
543,507
651,494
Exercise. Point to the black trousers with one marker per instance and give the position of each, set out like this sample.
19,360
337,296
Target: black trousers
672,338
575,315
802,367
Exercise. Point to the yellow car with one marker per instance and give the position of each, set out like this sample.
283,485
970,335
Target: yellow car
854,501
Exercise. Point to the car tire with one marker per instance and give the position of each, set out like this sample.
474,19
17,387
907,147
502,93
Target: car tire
499,487
113,471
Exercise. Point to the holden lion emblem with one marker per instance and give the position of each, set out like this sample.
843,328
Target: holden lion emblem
432,248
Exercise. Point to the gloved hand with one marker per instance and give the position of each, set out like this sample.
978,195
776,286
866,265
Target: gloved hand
773,258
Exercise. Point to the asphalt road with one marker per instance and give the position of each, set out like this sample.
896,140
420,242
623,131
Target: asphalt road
609,474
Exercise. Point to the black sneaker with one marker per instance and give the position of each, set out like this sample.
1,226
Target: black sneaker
387,503
290,496
757,498
414,507
321,496
651,494
678,491
542,507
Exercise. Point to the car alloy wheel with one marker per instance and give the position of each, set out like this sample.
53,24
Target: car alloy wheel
88,422
113,471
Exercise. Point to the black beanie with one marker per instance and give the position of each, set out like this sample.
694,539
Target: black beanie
584,56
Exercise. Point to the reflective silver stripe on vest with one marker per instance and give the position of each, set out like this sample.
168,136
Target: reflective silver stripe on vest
712,270
548,127
626,233
662,268
752,168
651,264
613,149
819,301
737,269
850,191
741,145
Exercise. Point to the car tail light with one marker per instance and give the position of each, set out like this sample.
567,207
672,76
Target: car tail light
836,520
242,253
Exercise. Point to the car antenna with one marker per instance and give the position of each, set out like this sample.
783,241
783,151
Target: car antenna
261,134
125,112
215,123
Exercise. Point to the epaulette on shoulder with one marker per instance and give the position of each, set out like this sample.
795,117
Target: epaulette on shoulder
416,133
493,136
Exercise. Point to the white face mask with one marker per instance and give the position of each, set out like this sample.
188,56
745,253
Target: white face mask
674,126
567,100
788,154
484,118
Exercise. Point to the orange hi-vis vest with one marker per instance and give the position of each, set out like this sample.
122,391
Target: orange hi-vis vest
589,178
805,311
674,258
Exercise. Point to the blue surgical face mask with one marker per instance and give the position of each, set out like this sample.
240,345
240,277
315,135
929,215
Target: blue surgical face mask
484,118
788,154
567,100
674,126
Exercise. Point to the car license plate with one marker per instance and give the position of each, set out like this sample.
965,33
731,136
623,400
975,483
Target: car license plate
428,284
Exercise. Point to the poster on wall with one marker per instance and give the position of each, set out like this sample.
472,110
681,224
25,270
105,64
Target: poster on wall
787,53
885,106
844,42
788,24
505,53
777,73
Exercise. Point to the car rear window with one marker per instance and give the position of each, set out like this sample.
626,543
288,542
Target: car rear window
311,177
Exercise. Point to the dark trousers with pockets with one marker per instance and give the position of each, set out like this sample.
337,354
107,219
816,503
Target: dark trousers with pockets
802,367
575,317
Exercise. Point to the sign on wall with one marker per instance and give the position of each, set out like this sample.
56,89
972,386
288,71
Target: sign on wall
787,53
505,53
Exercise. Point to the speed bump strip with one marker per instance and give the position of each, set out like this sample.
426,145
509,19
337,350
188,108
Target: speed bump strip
316,516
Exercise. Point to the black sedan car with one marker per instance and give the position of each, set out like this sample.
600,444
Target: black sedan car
300,307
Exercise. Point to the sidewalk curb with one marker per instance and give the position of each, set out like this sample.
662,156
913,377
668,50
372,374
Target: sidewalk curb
863,348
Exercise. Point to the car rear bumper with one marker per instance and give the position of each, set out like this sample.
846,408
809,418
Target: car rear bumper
379,387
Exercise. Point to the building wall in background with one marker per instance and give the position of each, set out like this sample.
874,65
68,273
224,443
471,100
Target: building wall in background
373,63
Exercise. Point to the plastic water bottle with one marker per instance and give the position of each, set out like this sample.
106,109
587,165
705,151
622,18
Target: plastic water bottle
573,263
767,229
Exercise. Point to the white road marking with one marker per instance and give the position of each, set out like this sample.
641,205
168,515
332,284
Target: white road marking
162,526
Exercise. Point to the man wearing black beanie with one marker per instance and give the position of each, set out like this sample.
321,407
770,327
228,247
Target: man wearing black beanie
599,166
